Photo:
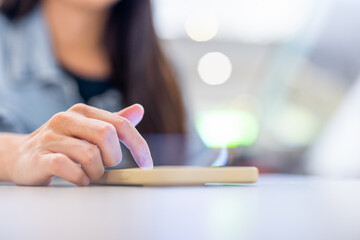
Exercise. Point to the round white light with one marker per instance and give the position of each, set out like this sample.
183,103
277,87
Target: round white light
202,26
214,68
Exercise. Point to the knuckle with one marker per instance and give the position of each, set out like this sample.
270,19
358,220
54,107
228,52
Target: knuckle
56,163
57,119
123,122
48,137
90,154
106,130
79,107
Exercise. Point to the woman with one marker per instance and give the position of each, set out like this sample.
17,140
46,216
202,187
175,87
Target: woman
57,53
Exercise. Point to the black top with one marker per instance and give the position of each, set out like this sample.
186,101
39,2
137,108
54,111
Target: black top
90,87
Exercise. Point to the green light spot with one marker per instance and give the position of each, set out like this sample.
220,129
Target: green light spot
227,128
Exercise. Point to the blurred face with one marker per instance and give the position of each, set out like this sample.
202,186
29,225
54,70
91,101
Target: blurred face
90,4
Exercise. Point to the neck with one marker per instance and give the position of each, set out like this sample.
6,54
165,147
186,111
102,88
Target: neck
77,37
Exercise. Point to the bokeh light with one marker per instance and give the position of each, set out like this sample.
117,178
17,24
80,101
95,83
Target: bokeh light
253,21
227,128
267,21
202,26
295,126
214,68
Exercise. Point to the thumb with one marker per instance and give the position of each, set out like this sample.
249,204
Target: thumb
134,113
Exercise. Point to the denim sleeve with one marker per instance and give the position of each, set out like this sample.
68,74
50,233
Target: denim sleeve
9,122
9,119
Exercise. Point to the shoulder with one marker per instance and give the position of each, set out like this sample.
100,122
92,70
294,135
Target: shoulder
24,45
3,20
4,25
10,29
7,29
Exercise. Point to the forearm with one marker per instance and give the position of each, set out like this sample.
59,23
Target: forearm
9,143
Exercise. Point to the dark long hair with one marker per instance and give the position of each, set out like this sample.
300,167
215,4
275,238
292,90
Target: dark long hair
139,68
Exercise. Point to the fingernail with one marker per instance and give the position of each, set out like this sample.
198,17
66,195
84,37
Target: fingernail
85,181
138,104
147,162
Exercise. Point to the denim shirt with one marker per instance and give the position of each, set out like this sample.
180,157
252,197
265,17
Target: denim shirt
32,86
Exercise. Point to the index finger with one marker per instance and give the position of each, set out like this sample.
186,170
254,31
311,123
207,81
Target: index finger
126,132
134,113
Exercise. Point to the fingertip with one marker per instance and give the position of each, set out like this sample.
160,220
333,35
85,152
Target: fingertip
134,113
147,168
146,162
148,165
85,181
139,106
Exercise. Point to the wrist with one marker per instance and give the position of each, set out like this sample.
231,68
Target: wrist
9,151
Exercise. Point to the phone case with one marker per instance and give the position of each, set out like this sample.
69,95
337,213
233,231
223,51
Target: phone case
178,175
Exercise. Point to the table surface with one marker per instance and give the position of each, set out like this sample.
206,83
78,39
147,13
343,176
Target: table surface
277,207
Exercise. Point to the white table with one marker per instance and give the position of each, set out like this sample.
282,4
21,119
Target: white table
277,207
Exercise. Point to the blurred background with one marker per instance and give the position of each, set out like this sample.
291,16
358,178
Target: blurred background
273,81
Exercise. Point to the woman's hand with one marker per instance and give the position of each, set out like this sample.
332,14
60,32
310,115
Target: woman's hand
76,145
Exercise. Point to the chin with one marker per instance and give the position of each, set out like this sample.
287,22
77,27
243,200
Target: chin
93,4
